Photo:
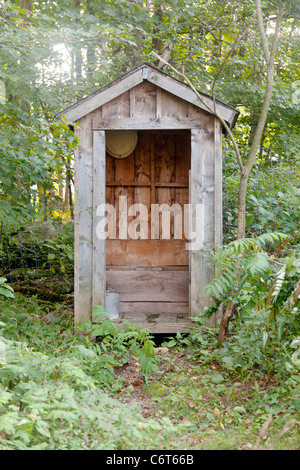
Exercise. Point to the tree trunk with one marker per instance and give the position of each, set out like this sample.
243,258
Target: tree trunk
259,130
257,136
228,314
78,53
242,206
91,57
246,168
24,4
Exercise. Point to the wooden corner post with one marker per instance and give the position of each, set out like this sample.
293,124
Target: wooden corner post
98,260
205,209
89,285
196,224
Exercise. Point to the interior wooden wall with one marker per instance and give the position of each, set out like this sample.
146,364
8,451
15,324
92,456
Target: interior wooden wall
156,172
150,270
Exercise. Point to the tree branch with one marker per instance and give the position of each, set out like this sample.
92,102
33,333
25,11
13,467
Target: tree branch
269,54
238,39
276,32
269,86
167,49
262,31
208,107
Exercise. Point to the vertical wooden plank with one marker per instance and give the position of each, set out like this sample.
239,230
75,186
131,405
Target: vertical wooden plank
208,179
83,222
118,107
190,110
202,193
182,167
110,109
196,199
142,172
132,102
98,259
110,177
145,100
154,225
124,172
125,105
173,106
218,184
158,103
165,172
208,124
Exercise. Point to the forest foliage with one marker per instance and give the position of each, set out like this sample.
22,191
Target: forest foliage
51,55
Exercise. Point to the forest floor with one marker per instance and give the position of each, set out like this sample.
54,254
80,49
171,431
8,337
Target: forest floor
216,412
194,400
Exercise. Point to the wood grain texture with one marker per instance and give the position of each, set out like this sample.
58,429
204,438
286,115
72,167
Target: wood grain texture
110,176
196,198
154,308
148,285
218,185
173,325
147,97
83,279
185,93
146,252
98,258
145,100
103,96
176,138
165,173
145,123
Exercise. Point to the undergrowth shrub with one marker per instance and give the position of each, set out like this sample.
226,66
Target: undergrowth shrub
258,347
55,386
5,289
263,283
120,343
53,403
39,245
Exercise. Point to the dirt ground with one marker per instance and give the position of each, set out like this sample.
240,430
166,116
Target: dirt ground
132,391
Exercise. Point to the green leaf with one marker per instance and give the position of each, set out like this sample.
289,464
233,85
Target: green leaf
217,378
240,409
42,428
265,338
6,292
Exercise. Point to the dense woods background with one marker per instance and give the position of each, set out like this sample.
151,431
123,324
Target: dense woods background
54,53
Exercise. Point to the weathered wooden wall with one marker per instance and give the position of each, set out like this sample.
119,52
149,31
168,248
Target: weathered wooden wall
176,139
157,172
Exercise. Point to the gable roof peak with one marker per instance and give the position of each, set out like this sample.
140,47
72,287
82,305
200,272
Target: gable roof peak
145,72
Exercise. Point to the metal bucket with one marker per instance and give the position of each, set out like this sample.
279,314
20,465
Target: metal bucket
112,304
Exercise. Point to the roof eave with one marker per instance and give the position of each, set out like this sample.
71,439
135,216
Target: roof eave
136,76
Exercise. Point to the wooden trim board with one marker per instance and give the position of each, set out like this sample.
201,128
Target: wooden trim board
137,123
99,156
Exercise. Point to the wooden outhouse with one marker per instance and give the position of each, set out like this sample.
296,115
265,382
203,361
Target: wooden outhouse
148,179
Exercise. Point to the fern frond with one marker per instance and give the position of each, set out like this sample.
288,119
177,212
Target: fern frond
279,282
258,263
246,245
239,261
